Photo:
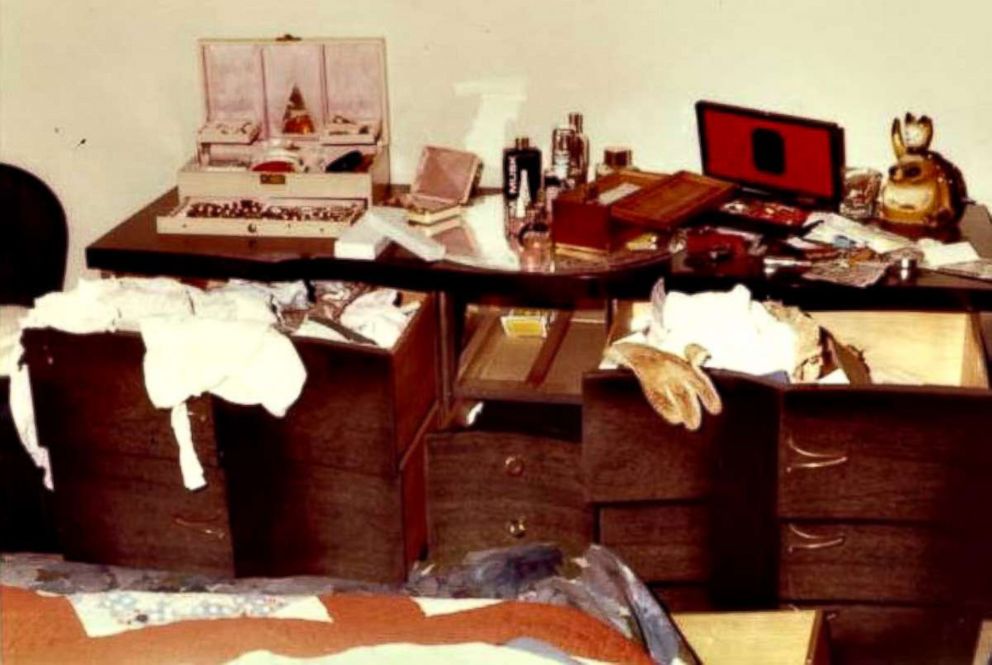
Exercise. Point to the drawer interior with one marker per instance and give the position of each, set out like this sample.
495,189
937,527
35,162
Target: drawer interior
934,348
495,365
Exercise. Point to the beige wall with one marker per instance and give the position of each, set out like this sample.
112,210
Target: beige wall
100,97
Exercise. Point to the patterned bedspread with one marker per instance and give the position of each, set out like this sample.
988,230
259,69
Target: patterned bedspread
527,604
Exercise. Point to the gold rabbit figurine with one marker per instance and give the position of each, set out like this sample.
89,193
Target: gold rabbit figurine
923,188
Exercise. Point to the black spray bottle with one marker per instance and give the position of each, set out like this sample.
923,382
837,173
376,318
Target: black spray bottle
521,158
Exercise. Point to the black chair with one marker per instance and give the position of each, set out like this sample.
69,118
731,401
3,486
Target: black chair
33,246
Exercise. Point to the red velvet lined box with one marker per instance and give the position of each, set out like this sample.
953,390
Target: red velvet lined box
799,159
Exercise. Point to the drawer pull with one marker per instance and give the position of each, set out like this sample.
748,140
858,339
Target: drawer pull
514,466
517,528
207,527
813,542
815,460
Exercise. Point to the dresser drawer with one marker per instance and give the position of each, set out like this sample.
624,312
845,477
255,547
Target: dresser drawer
89,396
881,635
631,454
360,409
898,453
134,511
663,543
494,489
883,563
289,518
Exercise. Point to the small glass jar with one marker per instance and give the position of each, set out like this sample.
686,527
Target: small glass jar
614,159
861,189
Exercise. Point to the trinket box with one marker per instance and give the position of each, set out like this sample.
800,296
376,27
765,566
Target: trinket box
291,117
582,217
442,184
666,204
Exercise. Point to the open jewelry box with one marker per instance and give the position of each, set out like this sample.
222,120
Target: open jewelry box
301,118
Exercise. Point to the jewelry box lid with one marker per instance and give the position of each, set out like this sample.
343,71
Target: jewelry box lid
799,158
333,89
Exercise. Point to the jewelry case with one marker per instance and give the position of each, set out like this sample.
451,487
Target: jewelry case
291,117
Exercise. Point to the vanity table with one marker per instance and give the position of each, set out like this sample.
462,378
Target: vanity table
868,502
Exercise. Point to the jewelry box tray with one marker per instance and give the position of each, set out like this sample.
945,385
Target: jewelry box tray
278,217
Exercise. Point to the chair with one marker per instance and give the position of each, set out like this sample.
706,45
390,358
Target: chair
33,246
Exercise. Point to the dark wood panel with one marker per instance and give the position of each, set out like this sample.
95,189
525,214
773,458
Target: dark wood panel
493,489
882,635
344,418
89,395
692,597
882,563
901,454
289,518
414,379
661,543
134,511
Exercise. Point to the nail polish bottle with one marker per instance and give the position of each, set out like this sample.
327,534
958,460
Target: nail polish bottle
521,158
578,151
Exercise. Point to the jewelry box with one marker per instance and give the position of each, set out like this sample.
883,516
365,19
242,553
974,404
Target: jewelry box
291,117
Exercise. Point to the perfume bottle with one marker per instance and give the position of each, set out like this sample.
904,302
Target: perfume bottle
561,152
578,151
521,158
517,209
614,159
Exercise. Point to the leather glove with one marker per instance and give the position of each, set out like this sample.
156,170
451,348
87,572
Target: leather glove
673,387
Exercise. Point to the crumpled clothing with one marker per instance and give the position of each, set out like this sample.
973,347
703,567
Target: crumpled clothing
375,316
738,332
218,341
245,362
19,399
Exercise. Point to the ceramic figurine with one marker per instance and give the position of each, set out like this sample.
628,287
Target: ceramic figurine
923,188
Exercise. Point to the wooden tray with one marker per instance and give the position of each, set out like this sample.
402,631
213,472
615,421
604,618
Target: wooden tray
672,201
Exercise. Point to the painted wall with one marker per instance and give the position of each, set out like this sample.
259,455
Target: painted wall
100,97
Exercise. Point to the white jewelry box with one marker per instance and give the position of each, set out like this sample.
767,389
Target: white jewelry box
278,111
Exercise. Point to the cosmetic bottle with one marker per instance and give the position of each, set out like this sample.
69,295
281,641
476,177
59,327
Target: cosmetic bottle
614,159
522,157
578,151
561,153
516,209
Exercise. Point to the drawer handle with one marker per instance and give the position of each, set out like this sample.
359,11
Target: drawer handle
517,528
514,466
815,460
207,527
814,542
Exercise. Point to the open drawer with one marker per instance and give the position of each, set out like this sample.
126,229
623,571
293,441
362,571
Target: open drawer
915,451
361,406
548,368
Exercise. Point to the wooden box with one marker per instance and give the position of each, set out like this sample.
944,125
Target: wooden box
582,216
277,112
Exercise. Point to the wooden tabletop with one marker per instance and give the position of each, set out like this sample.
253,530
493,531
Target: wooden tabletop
786,637
134,246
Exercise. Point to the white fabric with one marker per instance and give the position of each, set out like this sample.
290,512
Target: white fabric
937,254
738,332
220,341
244,362
189,463
432,607
112,612
375,316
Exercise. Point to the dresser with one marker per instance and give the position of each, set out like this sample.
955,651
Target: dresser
866,502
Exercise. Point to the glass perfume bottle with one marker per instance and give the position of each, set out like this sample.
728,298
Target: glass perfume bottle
561,152
521,158
614,159
578,151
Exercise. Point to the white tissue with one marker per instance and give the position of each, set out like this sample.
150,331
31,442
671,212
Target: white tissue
189,463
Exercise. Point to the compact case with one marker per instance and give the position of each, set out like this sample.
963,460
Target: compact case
442,185
280,113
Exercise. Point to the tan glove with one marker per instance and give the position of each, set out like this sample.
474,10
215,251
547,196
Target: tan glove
673,387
